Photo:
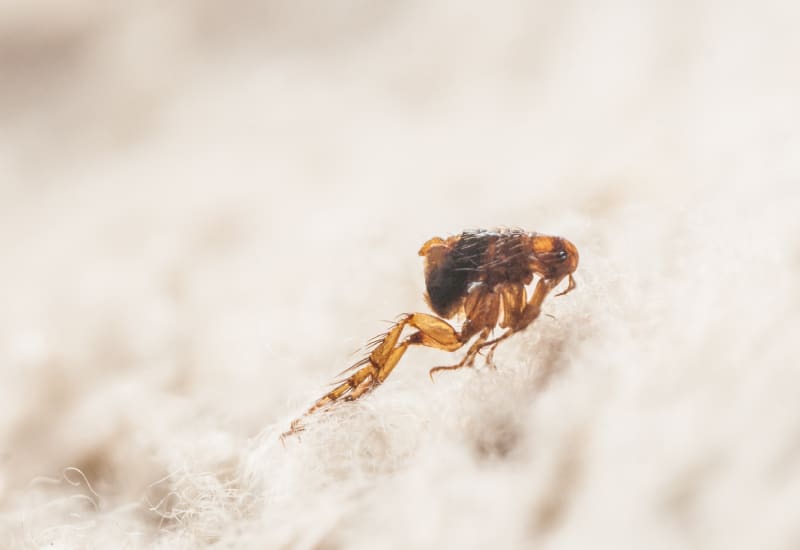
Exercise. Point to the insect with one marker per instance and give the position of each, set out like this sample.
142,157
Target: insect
479,275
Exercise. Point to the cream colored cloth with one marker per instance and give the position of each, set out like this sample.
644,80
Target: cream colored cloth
206,207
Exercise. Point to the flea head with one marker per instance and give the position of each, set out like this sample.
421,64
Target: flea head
553,257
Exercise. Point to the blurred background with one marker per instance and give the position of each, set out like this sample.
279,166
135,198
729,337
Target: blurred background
206,206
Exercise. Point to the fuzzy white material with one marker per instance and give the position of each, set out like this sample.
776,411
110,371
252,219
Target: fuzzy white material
205,207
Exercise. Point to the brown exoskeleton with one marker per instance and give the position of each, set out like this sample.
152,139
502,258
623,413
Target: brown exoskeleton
479,274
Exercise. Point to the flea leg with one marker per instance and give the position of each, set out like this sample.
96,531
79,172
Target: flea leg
570,287
490,356
514,300
525,314
482,308
469,358
374,369
534,306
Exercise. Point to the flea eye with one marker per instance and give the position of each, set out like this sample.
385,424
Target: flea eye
555,257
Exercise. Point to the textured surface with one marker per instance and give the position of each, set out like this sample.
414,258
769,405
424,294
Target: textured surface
206,207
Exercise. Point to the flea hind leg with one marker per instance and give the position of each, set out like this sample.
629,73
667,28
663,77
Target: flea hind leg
373,370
